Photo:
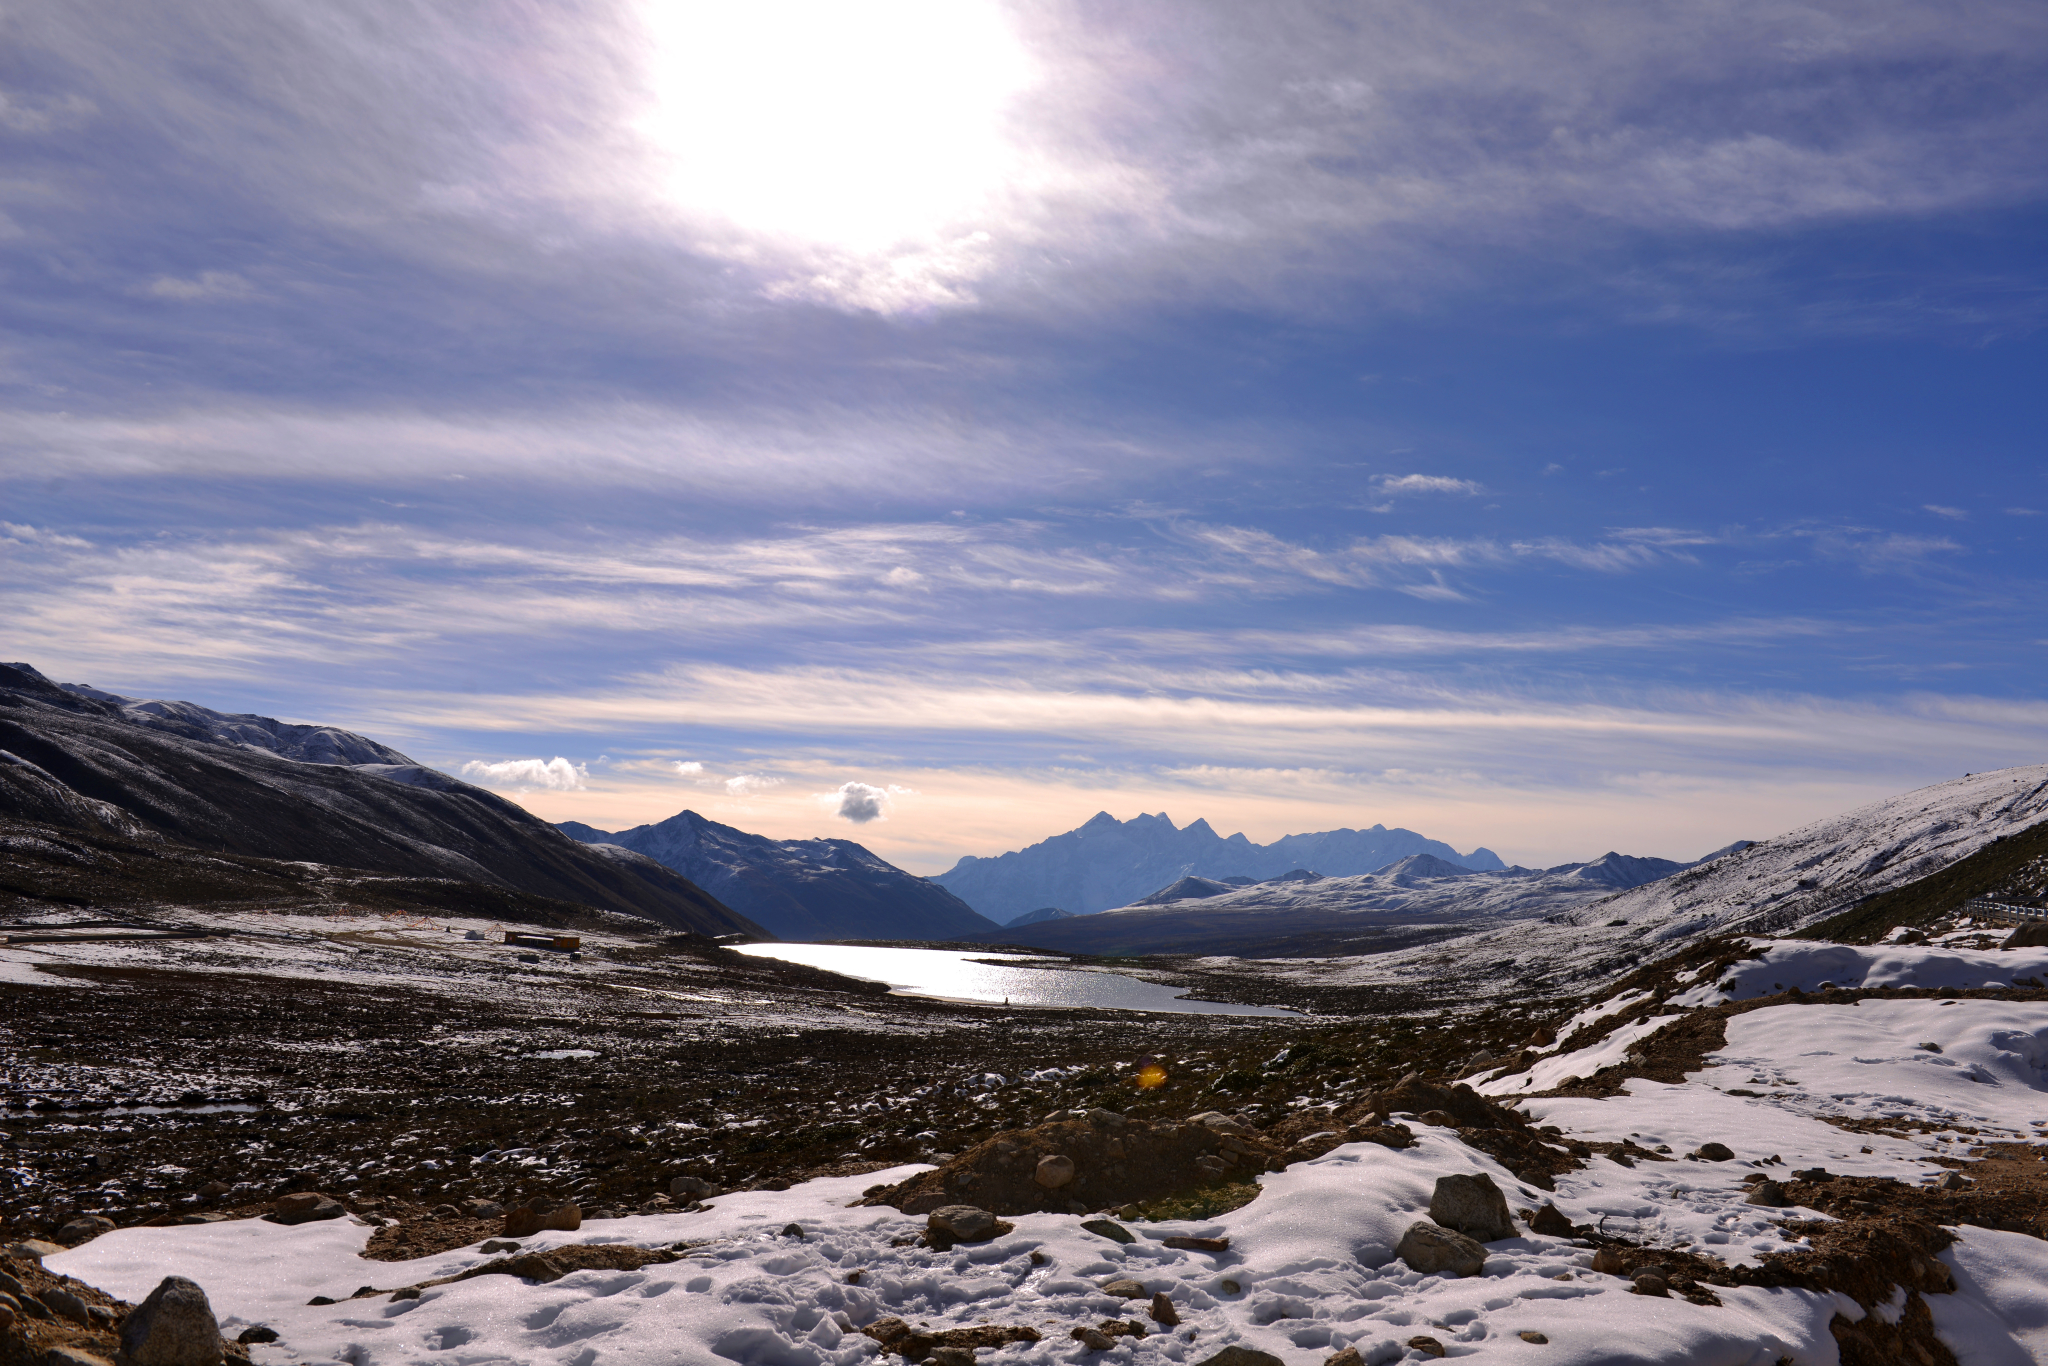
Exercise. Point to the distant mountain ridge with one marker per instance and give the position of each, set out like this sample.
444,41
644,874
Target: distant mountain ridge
1107,862
83,759
797,889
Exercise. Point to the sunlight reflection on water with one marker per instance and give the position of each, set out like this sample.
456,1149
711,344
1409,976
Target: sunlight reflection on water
955,975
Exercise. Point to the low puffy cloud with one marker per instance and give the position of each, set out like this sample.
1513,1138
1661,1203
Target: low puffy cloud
689,768
1426,483
862,802
551,775
747,784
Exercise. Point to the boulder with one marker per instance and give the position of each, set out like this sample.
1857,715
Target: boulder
525,1221
1110,1229
1348,1357
963,1223
260,1333
34,1249
1426,1345
1435,1250
1472,1205
2032,935
84,1229
1054,1171
174,1326
695,1187
1550,1222
66,1305
1769,1194
305,1207
1124,1288
1162,1311
1235,1355
1714,1152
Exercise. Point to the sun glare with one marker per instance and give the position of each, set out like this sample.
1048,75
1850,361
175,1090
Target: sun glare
858,125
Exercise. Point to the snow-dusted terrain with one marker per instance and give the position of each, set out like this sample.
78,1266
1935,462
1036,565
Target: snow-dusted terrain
1310,1268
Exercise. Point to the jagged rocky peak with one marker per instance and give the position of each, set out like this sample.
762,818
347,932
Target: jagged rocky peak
1106,862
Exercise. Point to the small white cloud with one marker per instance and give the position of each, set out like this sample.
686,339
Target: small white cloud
2023,512
689,768
554,775
17,533
1426,483
208,284
863,802
1553,468
747,784
1953,514
902,576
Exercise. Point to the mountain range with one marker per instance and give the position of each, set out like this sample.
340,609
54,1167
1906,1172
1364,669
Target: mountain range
798,889
81,759
1107,862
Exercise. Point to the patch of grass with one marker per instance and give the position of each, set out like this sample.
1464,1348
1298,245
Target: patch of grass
1205,1202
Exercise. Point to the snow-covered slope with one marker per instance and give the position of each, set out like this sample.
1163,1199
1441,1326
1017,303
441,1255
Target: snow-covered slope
797,889
1108,862
307,744
1815,871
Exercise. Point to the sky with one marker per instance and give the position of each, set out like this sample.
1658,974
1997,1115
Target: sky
930,422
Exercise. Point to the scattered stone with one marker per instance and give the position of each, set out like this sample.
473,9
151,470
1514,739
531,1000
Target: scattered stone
1769,1194
1124,1288
792,1230
2033,935
483,1209
1652,1280
1162,1311
1609,1262
1106,1119
21,1302
174,1326
963,1223
71,1356
1426,1345
259,1333
1220,1122
304,1207
918,1345
1714,1152
66,1305
1433,1249
320,1300
1550,1222
1386,1135
1816,1174
1348,1357
34,1249
1110,1229
497,1245
695,1186
1953,1181
1229,1287
1054,1171
1091,1338
951,1356
1473,1205
410,1292
525,1221
214,1190
84,1229
1531,1335
1235,1355
1439,1119
1188,1244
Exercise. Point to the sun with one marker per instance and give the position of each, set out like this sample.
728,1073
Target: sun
859,124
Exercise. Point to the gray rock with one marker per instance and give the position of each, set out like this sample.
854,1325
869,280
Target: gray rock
34,1249
84,1229
951,1356
305,1207
71,1356
1054,1171
175,1326
1106,1119
66,1305
962,1223
1769,1194
1235,1355
259,1333
1426,1345
1163,1312
1124,1288
1433,1250
1110,1229
695,1186
1715,1152
1472,1205
1348,1357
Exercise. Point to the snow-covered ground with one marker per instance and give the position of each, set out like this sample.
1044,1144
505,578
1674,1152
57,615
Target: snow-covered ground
1310,1268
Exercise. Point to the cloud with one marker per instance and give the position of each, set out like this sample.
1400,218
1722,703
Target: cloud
552,775
2023,512
862,802
747,784
1425,483
689,768
1953,514
210,284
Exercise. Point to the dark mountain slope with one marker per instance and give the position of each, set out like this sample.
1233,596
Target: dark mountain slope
85,763
799,889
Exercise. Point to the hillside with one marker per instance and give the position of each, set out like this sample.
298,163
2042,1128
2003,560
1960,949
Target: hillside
181,774
797,889
1107,862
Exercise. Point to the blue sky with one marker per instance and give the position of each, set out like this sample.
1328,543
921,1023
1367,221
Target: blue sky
1553,431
